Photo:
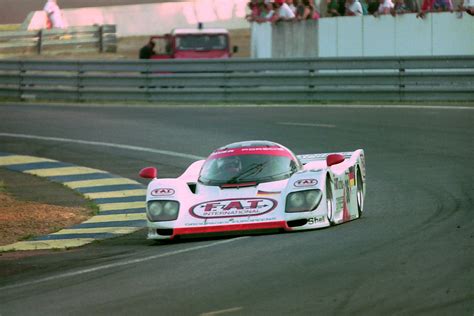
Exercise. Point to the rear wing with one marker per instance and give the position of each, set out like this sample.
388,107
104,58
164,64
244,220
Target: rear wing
304,159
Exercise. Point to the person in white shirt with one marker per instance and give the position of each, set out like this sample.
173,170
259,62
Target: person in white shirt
385,7
467,6
353,8
267,13
291,5
54,15
283,11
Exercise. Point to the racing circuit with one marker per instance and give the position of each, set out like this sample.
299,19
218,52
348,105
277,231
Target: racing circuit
411,252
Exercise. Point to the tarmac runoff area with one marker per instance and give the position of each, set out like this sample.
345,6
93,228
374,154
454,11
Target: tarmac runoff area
121,202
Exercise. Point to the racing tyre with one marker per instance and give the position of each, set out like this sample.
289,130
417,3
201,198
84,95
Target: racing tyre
329,202
360,194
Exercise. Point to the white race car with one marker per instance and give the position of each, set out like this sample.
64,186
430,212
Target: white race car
256,185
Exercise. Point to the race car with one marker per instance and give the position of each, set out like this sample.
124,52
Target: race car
253,186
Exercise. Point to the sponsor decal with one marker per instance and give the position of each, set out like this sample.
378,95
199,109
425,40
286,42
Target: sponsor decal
345,182
342,206
162,192
233,208
270,150
322,156
313,156
338,184
352,176
346,216
306,183
315,220
347,192
340,203
362,161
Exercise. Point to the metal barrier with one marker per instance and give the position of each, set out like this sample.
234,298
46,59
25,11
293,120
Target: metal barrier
250,80
94,38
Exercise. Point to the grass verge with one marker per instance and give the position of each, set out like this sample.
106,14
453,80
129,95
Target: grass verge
9,27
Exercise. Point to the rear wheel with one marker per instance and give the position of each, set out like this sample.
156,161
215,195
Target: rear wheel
329,201
360,194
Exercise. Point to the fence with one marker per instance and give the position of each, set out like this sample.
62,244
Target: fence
250,80
439,34
80,39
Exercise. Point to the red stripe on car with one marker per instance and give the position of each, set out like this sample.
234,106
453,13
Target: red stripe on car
229,228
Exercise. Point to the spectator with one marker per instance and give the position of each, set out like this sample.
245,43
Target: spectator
426,6
412,6
54,18
365,7
267,14
335,8
305,10
442,5
283,11
314,14
467,6
372,6
353,8
399,7
434,6
291,5
385,7
255,7
147,51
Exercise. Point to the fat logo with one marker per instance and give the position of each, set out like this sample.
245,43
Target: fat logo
306,183
162,192
233,208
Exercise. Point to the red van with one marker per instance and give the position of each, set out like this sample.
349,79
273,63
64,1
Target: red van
193,43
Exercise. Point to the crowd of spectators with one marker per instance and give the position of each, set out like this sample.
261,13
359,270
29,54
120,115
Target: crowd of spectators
281,10
297,10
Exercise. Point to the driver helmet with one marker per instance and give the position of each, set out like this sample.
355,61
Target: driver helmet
229,164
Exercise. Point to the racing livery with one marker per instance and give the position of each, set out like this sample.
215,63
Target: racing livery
256,185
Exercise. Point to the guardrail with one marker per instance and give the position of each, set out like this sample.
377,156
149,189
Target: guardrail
94,38
251,80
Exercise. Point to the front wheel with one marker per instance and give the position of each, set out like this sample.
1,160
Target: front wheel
360,194
329,202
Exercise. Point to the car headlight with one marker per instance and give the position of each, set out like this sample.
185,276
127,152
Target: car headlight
303,201
158,211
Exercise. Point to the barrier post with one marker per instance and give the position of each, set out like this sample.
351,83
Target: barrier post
401,86
40,41
101,39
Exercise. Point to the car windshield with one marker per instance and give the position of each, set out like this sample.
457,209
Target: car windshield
238,166
201,42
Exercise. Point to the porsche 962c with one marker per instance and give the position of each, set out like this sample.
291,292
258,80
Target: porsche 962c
256,185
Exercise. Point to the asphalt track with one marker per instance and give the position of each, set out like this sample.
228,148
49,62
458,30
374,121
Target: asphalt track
410,254
16,11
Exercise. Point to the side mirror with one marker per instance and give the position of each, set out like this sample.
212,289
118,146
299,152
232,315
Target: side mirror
149,173
334,159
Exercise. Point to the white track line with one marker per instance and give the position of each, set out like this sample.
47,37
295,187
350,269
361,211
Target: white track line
404,107
223,311
85,142
117,264
307,124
